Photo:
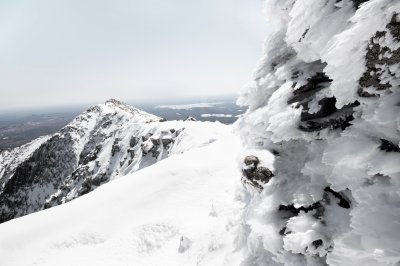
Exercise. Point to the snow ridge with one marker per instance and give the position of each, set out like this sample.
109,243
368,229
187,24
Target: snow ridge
103,143
325,101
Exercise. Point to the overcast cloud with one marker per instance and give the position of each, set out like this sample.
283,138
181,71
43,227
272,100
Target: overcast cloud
76,51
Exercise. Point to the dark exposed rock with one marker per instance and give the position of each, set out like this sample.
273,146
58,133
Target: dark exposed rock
389,146
133,141
107,124
282,58
262,174
189,118
378,178
314,84
316,207
394,27
343,201
131,153
275,152
317,210
378,58
90,184
166,141
284,231
179,131
155,141
357,3
304,34
328,116
146,137
327,108
115,147
255,175
155,152
317,243
341,122
86,158
338,119
289,208
251,161
147,147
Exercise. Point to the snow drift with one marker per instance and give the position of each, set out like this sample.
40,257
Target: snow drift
326,101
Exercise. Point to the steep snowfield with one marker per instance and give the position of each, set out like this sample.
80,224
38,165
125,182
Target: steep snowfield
176,212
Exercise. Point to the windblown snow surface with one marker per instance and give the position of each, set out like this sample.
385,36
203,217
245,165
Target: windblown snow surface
323,116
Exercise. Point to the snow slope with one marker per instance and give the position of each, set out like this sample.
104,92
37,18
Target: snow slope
176,212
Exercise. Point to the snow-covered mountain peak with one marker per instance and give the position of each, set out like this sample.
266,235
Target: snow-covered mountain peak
103,143
140,115
112,112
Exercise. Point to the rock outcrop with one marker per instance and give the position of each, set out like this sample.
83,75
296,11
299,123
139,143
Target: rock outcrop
255,175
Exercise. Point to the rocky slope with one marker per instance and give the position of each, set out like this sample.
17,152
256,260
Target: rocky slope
326,102
106,141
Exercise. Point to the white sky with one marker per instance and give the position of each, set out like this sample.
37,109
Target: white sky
76,51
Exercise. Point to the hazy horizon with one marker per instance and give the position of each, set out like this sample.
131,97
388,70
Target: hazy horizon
76,53
20,126
68,107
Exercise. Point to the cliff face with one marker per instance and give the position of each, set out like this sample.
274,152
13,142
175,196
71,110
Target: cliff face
325,101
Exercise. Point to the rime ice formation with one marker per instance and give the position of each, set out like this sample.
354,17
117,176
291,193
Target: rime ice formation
326,102
103,143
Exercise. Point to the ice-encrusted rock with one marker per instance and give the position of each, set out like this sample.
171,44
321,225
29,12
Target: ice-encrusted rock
255,175
325,101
